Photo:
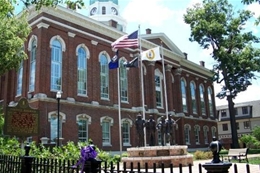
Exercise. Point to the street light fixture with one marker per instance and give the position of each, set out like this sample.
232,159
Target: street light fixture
58,97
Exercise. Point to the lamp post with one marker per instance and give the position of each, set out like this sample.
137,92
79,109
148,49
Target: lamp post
58,96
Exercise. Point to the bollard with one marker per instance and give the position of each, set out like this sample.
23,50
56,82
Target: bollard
26,160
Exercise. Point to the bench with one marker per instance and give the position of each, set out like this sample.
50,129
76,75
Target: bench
240,153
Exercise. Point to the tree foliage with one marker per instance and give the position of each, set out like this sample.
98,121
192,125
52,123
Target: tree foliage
1,120
256,133
40,3
250,1
15,30
214,24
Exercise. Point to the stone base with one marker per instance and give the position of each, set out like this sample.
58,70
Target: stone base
217,167
167,155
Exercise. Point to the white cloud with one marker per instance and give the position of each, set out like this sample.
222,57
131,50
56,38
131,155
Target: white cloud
154,13
252,93
254,8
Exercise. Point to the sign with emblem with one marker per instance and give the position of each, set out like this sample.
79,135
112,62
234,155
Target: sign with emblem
21,120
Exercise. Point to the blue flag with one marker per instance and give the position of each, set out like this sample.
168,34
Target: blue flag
113,64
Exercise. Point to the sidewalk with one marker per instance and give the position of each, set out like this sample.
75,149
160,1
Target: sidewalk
241,167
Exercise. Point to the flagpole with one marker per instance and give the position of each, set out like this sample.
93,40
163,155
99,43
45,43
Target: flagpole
119,110
164,82
142,82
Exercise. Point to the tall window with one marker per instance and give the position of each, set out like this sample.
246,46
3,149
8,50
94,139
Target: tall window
187,133
202,100
83,129
19,79
56,65
246,124
82,71
104,76
158,88
210,96
103,10
237,123
197,134
213,131
106,131
183,94
193,97
32,65
126,132
123,82
54,126
205,132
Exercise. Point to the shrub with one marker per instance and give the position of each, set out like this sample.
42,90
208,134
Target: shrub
202,155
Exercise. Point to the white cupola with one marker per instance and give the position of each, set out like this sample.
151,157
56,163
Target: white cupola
107,11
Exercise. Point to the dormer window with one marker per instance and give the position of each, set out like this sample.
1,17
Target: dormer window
103,10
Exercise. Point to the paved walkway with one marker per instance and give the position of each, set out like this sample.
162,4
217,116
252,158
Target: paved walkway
241,167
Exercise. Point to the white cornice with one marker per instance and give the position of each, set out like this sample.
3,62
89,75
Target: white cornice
86,22
43,25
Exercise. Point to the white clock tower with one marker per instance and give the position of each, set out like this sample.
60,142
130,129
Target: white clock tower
106,11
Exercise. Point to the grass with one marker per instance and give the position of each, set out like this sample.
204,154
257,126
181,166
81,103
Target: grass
252,160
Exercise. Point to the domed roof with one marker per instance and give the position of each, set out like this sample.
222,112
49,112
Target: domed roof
93,1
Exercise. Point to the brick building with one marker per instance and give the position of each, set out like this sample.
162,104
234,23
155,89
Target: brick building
70,52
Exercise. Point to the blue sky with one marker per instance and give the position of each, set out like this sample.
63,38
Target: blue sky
167,16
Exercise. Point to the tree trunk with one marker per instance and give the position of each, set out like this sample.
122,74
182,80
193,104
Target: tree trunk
233,124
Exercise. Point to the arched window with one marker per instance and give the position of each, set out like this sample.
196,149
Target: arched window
33,47
187,129
103,10
106,123
213,131
126,125
56,65
193,97
123,80
202,99
183,95
158,88
19,80
104,75
83,121
82,52
197,134
206,136
53,119
210,97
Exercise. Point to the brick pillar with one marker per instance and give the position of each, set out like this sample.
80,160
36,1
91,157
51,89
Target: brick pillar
169,81
149,89
95,84
177,100
71,66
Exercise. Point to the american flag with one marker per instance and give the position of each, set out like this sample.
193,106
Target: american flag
126,41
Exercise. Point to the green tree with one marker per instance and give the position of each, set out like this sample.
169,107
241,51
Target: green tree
15,30
1,120
40,3
250,1
214,24
256,132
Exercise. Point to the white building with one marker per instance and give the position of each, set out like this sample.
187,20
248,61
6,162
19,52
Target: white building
247,116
